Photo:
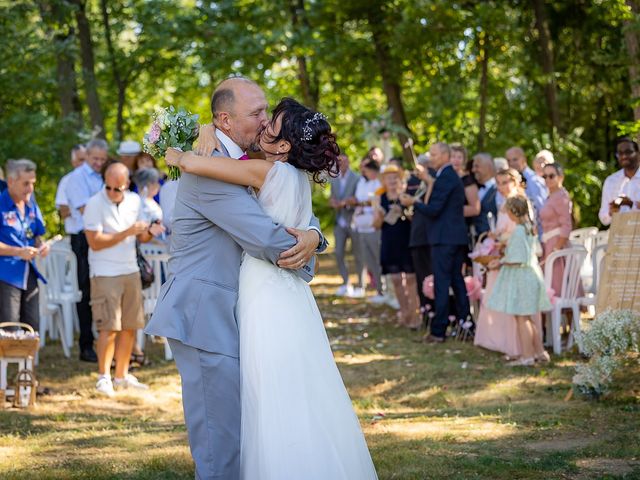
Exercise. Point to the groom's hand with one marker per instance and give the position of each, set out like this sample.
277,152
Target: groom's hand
299,255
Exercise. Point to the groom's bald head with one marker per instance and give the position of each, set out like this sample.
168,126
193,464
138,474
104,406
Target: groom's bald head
239,109
224,96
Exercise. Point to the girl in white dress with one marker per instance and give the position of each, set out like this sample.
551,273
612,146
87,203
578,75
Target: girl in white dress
297,418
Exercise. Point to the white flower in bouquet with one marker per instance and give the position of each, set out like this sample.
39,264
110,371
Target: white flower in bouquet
171,128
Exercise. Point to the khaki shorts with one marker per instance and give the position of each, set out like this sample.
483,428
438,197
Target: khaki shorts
116,302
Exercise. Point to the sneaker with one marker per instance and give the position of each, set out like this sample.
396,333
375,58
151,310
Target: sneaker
392,302
543,357
129,381
377,299
104,386
344,291
357,292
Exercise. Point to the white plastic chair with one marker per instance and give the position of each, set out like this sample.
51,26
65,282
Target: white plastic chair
567,297
61,274
584,237
159,264
589,299
51,320
601,238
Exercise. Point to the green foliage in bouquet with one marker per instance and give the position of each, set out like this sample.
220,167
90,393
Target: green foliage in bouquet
171,128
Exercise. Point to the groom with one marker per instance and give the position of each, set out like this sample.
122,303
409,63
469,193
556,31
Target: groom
213,223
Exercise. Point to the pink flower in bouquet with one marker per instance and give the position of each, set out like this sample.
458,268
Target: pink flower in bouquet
154,133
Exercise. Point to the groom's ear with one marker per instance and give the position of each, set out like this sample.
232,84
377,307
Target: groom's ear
223,120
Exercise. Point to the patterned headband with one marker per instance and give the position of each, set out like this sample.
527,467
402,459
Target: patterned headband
307,132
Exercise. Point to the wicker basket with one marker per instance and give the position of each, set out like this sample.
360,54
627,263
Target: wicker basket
15,347
486,259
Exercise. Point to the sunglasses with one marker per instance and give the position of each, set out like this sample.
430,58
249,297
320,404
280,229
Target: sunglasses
115,189
550,176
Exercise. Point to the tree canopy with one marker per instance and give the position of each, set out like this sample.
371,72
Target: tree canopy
540,73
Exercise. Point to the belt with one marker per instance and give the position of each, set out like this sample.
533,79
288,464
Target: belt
546,236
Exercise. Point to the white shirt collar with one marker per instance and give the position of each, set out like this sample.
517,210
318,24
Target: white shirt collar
234,150
489,183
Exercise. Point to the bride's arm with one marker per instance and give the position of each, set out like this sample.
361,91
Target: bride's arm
239,172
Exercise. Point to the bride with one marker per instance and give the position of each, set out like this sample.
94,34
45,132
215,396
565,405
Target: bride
297,418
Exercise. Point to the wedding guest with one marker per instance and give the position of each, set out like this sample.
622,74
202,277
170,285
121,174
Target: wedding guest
447,236
128,151
459,158
484,171
343,189
148,181
362,224
21,230
500,163
418,241
535,188
542,158
376,154
83,183
395,256
621,190
498,331
78,154
3,184
112,219
519,289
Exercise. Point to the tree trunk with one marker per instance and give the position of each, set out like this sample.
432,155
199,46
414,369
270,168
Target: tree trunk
484,82
631,41
546,56
88,68
120,80
310,91
390,83
57,23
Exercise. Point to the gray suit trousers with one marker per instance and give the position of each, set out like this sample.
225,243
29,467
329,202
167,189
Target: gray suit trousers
211,402
341,234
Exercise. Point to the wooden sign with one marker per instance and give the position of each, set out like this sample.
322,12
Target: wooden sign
619,284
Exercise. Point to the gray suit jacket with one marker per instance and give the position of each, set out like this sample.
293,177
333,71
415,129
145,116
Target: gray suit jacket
213,222
349,190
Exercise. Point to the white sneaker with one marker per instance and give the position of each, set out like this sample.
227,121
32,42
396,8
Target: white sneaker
377,299
393,303
357,292
104,386
129,381
344,291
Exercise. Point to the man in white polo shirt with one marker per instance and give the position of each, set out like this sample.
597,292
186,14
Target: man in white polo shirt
112,223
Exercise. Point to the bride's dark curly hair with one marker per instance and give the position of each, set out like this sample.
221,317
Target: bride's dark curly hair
313,145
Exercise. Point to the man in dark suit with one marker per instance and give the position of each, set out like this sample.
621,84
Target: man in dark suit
485,171
343,189
447,236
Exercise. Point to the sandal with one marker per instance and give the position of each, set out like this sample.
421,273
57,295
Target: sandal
522,362
138,360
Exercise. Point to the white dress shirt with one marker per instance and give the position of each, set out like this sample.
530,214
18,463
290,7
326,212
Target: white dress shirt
615,185
482,191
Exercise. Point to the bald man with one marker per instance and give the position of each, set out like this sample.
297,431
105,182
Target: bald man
535,189
213,223
112,223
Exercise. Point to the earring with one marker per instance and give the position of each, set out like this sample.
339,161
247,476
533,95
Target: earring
277,152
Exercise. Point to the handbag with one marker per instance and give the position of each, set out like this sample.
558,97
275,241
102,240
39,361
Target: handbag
147,277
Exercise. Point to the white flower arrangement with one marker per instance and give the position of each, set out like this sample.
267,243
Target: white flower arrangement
612,337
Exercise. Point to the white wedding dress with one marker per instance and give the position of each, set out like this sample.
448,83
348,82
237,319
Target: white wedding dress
297,419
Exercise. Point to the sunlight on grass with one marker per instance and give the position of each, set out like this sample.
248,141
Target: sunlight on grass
364,359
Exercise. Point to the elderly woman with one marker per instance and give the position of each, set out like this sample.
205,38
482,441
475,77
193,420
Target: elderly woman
556,219
395,256
148,182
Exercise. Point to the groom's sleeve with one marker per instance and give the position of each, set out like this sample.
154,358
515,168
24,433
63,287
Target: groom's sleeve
314,224
238,213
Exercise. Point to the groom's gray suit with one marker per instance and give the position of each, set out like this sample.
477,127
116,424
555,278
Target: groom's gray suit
213,223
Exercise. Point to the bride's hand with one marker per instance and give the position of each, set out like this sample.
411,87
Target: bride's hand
173,157
299,255
207,141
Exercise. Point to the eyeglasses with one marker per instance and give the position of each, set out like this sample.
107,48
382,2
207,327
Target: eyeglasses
625,153
115,189
550,176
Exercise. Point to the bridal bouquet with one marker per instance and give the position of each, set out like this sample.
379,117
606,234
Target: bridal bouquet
171,128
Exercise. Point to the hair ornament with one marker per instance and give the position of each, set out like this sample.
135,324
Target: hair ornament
307,132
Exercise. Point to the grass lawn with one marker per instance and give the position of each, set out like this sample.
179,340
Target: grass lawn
448,411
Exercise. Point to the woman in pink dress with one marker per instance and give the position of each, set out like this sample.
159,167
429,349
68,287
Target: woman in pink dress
555,217
497,331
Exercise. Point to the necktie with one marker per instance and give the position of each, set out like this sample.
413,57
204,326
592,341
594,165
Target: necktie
244,157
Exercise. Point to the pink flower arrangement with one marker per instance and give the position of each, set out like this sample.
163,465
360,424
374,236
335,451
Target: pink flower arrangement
473,284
